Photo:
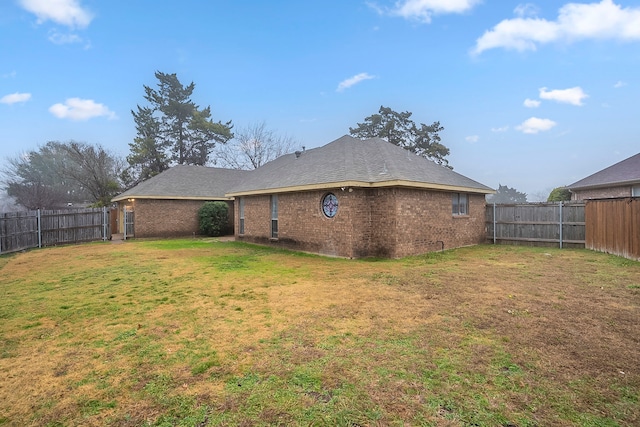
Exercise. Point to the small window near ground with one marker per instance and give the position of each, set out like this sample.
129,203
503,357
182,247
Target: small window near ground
241,215
274,217
459,204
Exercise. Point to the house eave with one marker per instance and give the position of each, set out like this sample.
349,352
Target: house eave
605,185
150,197
360,184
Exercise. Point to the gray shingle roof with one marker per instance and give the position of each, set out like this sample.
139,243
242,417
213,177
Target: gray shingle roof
348,161
186,182
624,172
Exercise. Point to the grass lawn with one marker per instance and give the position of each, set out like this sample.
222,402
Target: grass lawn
206,333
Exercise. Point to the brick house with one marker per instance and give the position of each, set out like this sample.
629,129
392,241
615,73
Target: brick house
354,198
167,204
619,180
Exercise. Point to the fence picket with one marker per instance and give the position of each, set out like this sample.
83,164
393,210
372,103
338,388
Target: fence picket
613,226
543,224
32,229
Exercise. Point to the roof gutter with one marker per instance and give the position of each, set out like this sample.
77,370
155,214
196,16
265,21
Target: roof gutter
151,197
606,185
360,184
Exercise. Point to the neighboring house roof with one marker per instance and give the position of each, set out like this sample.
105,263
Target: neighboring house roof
186,182
351,162
622,173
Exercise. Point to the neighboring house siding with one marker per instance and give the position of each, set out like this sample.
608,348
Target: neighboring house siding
386,222
169,218
602,193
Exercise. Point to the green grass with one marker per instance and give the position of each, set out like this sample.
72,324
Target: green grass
199,332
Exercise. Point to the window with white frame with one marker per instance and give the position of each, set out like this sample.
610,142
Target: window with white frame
635,191
274,216
459,204
241,215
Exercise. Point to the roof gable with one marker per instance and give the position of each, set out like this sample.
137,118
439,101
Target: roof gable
621,173
349,161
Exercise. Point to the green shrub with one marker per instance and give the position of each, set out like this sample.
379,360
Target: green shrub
214,219
560,194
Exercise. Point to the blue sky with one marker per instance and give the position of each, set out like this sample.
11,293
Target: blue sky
531,95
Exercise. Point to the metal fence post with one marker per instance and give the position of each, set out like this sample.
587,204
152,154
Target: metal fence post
560,224
104,223
39,230
494,223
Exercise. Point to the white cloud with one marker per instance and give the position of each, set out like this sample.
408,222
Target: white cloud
63,12
378,9
576,21
422,10
526,9
573,96
535,125
80,109
500,129
14,98
472,138
619,84
8,75
347,83
531,103
59,38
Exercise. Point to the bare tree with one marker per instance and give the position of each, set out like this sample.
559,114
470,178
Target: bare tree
252,147
32,178
7,204
58,173
95,169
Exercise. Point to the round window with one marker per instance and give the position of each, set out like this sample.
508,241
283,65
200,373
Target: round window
330,205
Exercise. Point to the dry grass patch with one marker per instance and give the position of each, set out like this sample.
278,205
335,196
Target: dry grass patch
197,332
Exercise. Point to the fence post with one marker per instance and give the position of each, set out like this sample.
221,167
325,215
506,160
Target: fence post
494,223
124,222
39,230
560,224
104,223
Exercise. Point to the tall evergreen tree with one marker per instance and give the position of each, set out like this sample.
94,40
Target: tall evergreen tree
173,129
399,129
148,150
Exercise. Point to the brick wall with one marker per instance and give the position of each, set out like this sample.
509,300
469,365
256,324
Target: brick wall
169,218
425,222
602,193
385,222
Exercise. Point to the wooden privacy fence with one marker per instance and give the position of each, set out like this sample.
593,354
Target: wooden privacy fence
613,226
538,224
34,229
